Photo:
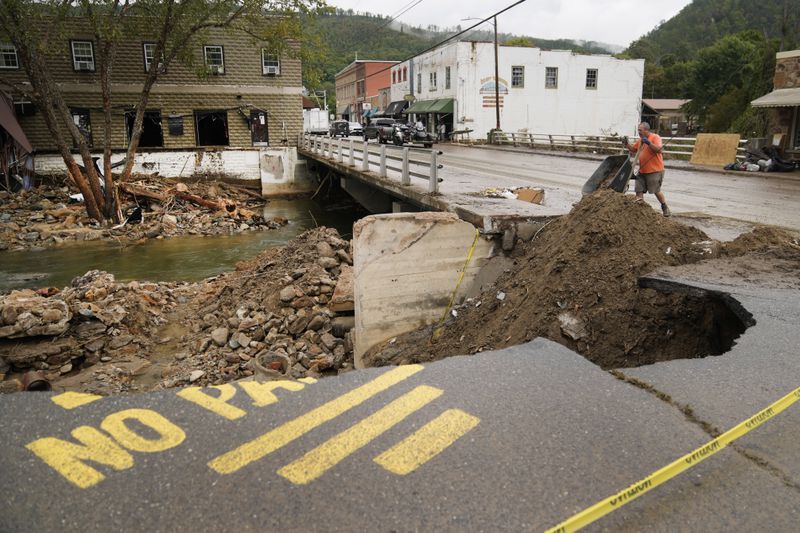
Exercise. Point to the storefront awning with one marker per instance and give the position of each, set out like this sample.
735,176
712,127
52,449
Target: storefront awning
779,98
442,105
370,112
395,108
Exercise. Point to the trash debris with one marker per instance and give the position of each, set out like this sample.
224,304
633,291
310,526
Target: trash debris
501,296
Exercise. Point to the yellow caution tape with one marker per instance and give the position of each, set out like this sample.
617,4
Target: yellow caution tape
438,331
612,503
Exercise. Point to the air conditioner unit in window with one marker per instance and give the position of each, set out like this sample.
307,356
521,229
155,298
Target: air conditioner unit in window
84,65
272,70
216,69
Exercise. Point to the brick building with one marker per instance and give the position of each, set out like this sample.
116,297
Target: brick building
236,93
784,103
358,86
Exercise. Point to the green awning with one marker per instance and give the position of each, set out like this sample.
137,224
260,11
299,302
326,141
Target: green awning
442,105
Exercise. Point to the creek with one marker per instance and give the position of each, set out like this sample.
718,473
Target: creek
187,258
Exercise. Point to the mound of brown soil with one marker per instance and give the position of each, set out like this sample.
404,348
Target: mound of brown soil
576,283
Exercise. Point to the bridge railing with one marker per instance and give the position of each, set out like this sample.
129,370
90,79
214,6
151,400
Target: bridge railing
675,147
379,158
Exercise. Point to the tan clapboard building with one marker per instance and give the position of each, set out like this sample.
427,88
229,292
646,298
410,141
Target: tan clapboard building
236,93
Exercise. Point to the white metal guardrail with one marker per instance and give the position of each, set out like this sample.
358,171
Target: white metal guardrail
676,147
378,158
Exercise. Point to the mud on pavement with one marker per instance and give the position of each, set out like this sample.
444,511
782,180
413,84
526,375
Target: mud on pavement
576,283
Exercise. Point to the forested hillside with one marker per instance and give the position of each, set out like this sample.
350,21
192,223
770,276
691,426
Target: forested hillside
721,54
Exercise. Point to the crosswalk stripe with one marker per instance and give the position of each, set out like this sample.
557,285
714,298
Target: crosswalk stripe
427,442
332,452
267,443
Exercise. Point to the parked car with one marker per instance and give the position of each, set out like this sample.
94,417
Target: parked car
339,128
381,129
356,128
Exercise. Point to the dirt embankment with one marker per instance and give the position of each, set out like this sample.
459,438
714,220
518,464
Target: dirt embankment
576,283
45,216
106,337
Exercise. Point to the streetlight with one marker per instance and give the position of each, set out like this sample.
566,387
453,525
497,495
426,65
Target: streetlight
496,71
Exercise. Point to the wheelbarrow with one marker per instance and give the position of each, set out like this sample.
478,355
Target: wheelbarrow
613,173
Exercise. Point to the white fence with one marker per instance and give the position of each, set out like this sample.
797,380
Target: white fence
676,147
378,158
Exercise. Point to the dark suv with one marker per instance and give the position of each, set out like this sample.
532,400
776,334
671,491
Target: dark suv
379,128
340,128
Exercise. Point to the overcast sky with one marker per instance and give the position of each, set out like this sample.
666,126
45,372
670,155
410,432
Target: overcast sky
610,21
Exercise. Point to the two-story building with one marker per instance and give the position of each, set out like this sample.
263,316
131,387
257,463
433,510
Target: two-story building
234,94
539,91
358,87
784,103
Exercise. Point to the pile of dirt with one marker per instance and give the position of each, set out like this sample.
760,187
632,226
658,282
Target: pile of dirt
45,216
105,337
576,283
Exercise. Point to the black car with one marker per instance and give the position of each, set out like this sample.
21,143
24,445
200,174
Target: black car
339,128
379,128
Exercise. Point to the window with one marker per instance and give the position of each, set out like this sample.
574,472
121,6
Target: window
8,56
551,77
405,73
214,58
211,128
152,131
419,82
270,64
432,86
446,77
361,88
149,50
394,77
82,56
518,76
80,116
591,78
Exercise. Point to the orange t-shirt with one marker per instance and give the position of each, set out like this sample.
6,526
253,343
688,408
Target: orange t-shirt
650,161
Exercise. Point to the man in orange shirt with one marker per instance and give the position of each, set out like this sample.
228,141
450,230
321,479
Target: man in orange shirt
651,165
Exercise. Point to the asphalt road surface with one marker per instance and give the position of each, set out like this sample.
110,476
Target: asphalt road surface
763,198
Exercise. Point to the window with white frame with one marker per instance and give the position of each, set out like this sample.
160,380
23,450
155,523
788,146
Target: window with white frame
8,56
432,86
149,50
270,63
518,76
419,82
551,78
446,77
214,58
83,55
591,78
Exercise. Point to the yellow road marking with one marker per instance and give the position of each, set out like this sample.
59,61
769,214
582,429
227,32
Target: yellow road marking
427,442
332,452
169,435
71,400
216,405
262,394
267,443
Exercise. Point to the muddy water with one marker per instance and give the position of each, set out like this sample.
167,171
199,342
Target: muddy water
187,258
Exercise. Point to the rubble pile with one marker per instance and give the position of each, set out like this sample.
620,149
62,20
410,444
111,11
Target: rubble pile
270,317
95,320
275,308
576,283
45,217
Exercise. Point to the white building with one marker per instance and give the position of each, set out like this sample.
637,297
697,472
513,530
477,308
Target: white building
554,92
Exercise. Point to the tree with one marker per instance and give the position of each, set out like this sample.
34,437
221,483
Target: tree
175,27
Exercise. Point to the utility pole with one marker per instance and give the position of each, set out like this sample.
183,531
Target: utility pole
496,76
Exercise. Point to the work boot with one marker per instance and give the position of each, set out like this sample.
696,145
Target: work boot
665,210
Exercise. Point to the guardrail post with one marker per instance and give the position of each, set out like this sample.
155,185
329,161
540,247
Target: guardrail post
433,181
406,178
340,147
573,142
383,161
365,157
513,139
352,162
552,146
